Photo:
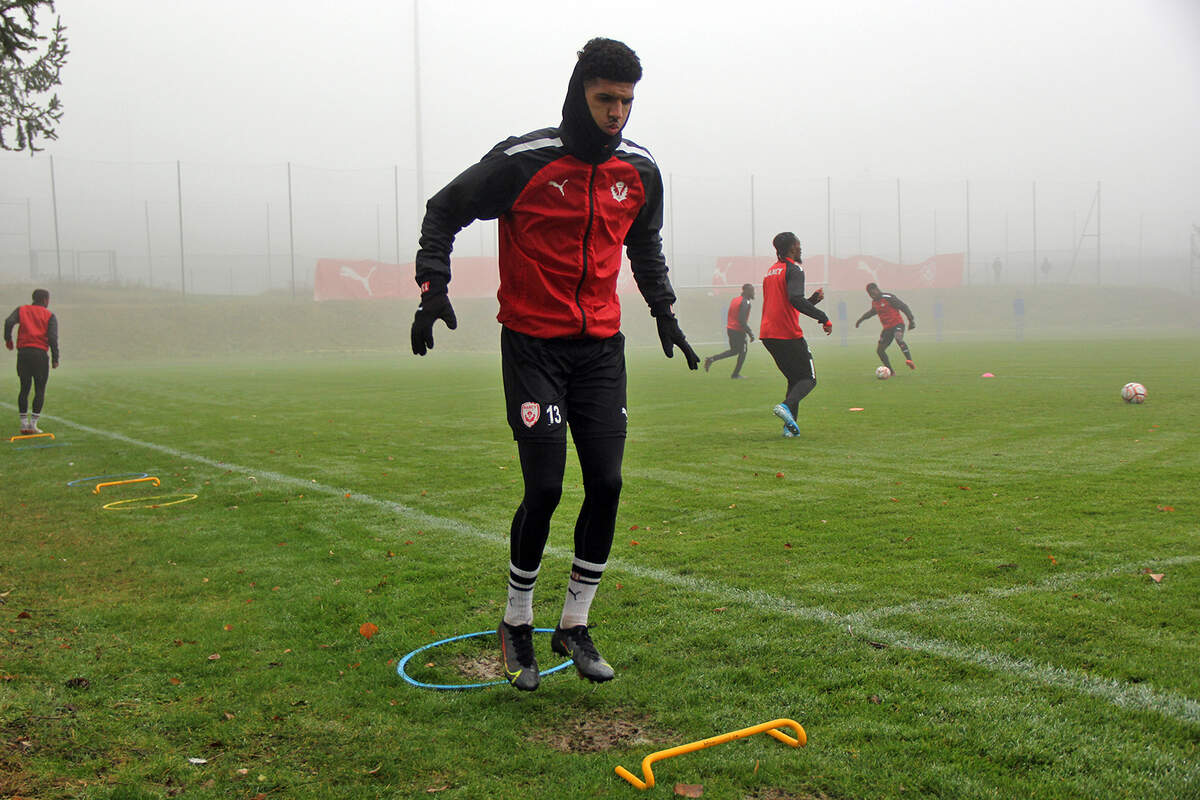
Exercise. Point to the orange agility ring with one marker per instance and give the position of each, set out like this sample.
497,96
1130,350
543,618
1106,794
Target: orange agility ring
171,500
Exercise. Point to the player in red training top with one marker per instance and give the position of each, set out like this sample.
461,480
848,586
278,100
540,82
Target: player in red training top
783,300
37,333
889,307
737,328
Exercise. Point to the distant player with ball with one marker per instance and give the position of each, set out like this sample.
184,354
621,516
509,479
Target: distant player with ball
889,307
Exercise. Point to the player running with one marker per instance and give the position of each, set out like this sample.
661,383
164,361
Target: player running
567,199
889,307
783,300
737,328
37,333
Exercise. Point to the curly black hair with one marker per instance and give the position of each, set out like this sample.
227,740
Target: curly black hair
609,60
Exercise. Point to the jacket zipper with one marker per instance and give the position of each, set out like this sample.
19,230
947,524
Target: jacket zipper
587,235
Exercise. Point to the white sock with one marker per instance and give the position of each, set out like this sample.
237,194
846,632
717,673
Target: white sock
519,610
24,422
581,590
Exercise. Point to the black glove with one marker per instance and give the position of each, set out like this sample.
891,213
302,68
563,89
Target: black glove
433,307
912,325
816,296
827,326
671,337
856,324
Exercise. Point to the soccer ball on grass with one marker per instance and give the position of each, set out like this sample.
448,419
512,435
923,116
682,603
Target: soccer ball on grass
1133,393
882,372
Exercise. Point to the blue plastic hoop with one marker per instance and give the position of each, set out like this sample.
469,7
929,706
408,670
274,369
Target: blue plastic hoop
78,481
451,686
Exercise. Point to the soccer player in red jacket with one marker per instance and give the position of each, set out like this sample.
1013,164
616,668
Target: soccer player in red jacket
737,328
567,199
37,333
889,307
780,331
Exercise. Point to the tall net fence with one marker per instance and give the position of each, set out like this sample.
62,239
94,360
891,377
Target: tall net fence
250,228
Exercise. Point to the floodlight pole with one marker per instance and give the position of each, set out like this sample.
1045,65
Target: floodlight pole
149,251
54,202
967,269
419,150
291,229
179,195
753,244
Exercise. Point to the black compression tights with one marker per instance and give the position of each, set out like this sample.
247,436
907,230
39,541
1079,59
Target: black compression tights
542,466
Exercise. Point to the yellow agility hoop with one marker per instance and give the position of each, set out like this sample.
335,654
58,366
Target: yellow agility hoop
123,505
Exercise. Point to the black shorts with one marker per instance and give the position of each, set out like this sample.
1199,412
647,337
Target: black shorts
33,363
889,335
792,357
552,383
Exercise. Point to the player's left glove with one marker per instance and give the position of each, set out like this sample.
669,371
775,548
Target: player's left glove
816,296
827,326
434,306
671,337
8,344
912,325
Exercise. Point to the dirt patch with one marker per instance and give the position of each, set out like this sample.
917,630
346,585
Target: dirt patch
481,667
780,794
595,733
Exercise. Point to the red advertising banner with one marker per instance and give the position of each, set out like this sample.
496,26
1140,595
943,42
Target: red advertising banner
345,279
471,276
851,273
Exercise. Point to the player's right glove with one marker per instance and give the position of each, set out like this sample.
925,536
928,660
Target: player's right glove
859,322
912,325
435,305
827,326
8,344
816,296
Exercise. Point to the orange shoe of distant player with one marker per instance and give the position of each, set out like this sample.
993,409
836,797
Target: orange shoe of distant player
910,364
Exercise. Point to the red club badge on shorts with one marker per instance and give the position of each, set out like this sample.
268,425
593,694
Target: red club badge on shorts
530,414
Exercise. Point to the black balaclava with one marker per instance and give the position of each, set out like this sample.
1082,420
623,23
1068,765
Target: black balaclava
582,137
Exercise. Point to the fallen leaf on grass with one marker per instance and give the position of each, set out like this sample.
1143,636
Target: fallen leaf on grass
197,760
878,645
214,656
874,699
378,766
1053,560
689,789
83,683
1165,508
368,629
1156,576
24,615
777,475
435,789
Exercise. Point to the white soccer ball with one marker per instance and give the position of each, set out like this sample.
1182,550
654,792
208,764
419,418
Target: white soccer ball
1133,393
882,372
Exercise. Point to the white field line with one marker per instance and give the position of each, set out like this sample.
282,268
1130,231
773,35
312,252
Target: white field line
1133,696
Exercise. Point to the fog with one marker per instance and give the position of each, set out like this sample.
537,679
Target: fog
239,142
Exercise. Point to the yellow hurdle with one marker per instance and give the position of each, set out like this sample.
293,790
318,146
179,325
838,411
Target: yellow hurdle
766,727
100,486
30,436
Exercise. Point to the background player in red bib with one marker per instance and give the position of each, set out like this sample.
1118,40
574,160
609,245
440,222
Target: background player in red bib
567,199
37,333
737,328
889,307
780,332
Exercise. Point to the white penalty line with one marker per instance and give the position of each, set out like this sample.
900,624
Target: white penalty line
1131,696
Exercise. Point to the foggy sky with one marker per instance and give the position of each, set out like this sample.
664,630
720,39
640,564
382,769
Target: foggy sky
944,89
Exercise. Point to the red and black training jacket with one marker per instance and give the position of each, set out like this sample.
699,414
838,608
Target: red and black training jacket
562,224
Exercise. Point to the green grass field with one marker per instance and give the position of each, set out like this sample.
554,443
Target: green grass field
951,590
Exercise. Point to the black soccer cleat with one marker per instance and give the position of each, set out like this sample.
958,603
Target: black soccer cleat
516,655
576,644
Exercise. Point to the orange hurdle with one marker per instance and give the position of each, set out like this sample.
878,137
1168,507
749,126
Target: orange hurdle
767,727
100,486
30,436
